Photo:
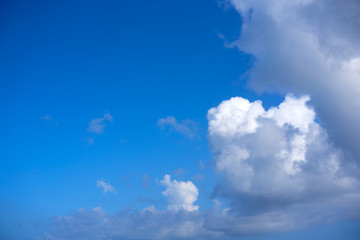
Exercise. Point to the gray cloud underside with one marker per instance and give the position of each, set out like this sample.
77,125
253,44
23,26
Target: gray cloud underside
308,47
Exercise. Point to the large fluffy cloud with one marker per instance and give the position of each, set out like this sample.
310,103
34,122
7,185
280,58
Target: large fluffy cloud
308,47
279,160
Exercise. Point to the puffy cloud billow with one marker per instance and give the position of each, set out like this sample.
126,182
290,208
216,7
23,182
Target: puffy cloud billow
181,195
280,160
308,47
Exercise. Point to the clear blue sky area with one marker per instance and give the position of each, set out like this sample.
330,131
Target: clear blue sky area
65,63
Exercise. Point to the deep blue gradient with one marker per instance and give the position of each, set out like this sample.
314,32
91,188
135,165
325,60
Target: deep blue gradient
139,61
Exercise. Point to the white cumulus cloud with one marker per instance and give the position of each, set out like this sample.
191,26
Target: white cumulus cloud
281,156
180,195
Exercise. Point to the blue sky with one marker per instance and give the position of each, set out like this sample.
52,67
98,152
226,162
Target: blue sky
118,92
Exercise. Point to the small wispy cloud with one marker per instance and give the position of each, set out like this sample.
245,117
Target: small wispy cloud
186,127
47,118
145,181
179,172
198,177
90,141
106,187
97,125
220,36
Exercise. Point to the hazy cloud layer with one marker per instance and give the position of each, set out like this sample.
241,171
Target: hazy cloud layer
154,224
97,125
187,127
308,47
145,224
